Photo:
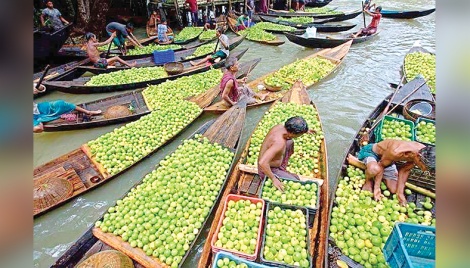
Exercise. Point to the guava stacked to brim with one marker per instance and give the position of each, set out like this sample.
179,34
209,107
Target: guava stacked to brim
397,130
126,145
240,226
306,157
426,132
308,70
148,49
188,33
273,26
133,75
286,237
294,193
257,34
419,63
360,226
202,50
299,20
163,215
207,35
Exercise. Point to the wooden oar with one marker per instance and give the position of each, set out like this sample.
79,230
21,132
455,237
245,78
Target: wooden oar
363,14
398,104
109,48
42,76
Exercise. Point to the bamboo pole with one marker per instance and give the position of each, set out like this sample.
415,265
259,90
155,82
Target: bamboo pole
421,190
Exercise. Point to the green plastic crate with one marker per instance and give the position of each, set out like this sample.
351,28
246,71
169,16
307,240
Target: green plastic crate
378,129
427,121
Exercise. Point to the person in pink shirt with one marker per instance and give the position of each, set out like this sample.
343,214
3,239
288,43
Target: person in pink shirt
372,27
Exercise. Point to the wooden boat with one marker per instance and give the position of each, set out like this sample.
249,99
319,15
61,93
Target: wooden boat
75,84
48,44
317,3
245,181
327,17
180,56
424,180
183,42
415,48
396,14
232,22
79,167
318,26
226,130
327,41
335,55
132,99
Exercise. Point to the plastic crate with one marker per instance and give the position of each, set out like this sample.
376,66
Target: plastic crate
235,197
416,124
378,129
269,206
163,56
411,245
238,260
311,210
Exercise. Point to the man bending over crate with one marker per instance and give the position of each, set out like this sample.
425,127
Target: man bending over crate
277,148
380,159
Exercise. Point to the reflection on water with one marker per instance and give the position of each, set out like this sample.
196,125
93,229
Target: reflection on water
344,100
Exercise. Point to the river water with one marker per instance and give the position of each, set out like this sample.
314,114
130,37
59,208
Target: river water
344,100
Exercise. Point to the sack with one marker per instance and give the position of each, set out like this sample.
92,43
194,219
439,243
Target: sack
311,32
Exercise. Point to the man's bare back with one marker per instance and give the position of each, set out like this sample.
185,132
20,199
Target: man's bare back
93,52
275,138
392,151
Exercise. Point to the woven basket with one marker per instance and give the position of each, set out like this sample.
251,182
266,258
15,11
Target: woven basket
173,68
50,191
408,114
107,259
272,88
116,111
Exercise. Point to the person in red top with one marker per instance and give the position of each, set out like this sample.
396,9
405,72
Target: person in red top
229,89
192,4
372,28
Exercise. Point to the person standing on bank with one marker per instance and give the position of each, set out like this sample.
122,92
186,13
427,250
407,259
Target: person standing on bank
122,32
192,4
54,16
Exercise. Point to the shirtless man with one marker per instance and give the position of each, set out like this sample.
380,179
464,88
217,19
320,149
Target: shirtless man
380,161
94,54
277,148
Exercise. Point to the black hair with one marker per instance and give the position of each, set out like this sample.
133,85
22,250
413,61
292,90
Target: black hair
130,26
88,36
296,125
230,62
427,155
379,8
163,20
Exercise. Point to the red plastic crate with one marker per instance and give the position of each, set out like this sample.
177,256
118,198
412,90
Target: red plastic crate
235,197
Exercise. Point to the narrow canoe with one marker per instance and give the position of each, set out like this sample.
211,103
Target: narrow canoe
318,3
328,17
396,14
148,61
335,55
232,22
183,42
247,183
75,84
320,27
327,41
124,101
345,16
80,168
226,131
415,48
426,179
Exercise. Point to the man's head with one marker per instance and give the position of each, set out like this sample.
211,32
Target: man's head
49,4
163,21
130,27
232,64
90,36
427,158
378,9
296,126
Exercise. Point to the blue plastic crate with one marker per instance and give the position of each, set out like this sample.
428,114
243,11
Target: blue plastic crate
163,56
411,245
238,260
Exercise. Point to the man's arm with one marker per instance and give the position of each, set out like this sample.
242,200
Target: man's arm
368,12
134,40
265,159
105,42
226,91
42,20
225,45
63,20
